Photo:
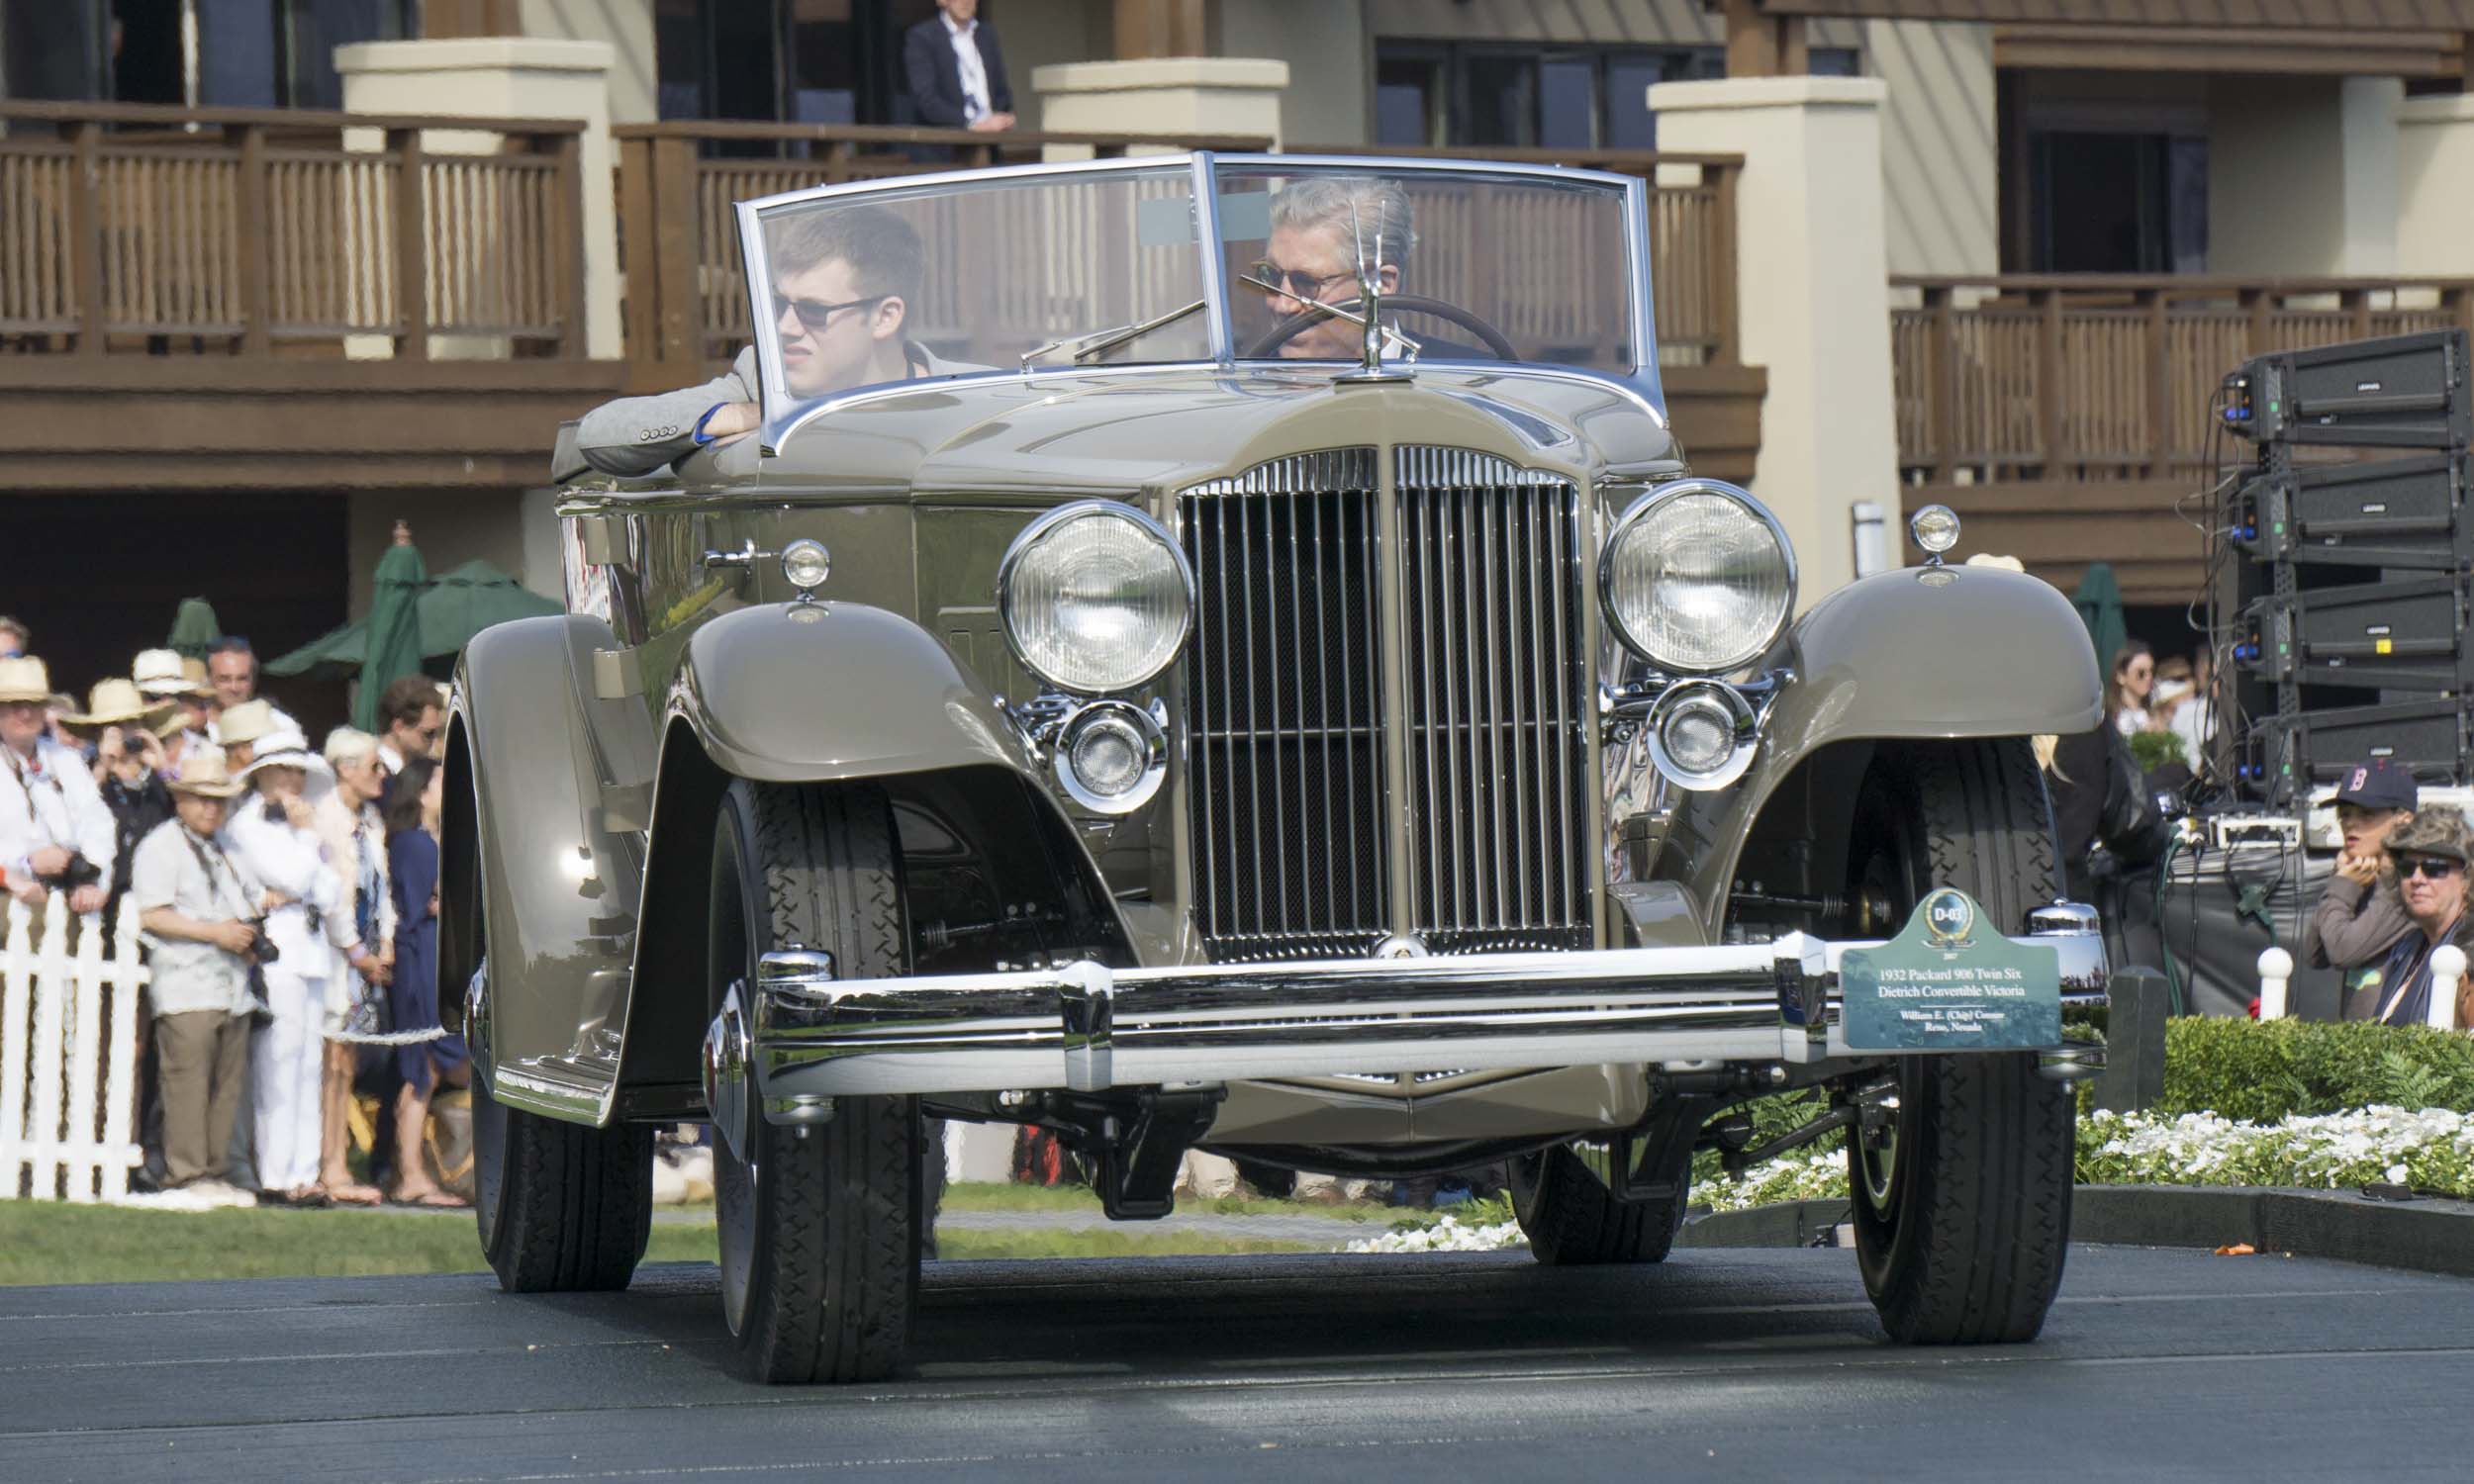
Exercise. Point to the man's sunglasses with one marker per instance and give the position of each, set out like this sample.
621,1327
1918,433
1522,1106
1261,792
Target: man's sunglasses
1298,286
2434,867
816,314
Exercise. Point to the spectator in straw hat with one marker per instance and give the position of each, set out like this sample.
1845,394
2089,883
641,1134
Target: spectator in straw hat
200,908
56,835
127,768
310,922
239,729
179,685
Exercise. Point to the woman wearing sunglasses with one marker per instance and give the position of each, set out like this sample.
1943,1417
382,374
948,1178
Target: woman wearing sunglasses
2427,869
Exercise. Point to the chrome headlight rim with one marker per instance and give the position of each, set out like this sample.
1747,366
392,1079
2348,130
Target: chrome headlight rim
1033,534
1640,509
1147,730
1743,718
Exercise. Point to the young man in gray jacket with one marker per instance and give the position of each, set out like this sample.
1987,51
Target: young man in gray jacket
844,278
2355,922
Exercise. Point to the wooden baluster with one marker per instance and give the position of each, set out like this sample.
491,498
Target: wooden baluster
2163,395
86,235
2259,305
673,252
2457,302
1941,389
638,212
2050,374
567,246
255,212
2357,301
1725,330
412,275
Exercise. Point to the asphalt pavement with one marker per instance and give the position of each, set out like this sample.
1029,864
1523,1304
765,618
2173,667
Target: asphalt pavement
1722,1364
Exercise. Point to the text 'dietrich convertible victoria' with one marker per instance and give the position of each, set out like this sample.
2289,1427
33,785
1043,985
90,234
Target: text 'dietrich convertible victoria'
1227,653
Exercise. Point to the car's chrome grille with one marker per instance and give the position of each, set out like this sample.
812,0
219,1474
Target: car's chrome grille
1284,706
1497,761
1291,801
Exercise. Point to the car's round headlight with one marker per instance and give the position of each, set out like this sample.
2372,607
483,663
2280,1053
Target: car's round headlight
1094,597
1697,578
1110,757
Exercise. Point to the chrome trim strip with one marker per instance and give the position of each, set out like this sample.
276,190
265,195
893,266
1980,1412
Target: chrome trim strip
1644,308
1223,343
1089,1027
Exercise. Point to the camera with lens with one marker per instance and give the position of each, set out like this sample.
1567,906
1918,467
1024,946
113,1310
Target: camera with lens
261,948
79,871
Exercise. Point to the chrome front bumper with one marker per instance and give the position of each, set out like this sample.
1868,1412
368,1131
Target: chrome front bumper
803,1036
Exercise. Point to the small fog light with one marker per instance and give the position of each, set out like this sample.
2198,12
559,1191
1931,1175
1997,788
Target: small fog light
1701,735
807,563
1935,529
1111,757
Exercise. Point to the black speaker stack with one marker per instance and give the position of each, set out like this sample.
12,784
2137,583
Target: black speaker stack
2355,597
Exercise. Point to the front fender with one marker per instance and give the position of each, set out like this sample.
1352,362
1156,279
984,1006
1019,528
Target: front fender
1919,653
814,693
542,784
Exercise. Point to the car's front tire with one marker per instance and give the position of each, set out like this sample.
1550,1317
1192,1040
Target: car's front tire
1961,1196
563,1207
818,1224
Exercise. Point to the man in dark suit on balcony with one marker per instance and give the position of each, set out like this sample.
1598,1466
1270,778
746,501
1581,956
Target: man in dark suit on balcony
957,72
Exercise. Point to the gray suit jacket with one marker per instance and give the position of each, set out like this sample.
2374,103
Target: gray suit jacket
640,434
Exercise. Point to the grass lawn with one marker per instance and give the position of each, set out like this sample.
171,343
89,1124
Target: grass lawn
46,1242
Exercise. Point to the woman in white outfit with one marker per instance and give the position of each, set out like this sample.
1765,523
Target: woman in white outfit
356,846
311,927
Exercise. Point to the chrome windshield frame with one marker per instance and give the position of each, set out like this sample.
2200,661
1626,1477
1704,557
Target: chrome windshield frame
784,416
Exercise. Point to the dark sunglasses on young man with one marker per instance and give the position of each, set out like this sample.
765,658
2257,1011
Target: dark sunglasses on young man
816,314
2434,867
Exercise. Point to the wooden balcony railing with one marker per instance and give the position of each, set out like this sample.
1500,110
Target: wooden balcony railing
142,227
690,310
2098,377
1692,235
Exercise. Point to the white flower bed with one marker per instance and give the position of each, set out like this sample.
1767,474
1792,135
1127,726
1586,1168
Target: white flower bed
1444,1236
2432,1150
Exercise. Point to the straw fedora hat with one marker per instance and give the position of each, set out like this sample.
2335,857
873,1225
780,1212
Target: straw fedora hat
115,701
164,673
22,677
246,722
201,771
284,747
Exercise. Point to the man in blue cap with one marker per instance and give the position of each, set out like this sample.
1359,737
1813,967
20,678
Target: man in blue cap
2354,923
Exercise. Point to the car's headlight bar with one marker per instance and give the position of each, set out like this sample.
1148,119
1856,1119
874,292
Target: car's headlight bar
1094,597
1697,578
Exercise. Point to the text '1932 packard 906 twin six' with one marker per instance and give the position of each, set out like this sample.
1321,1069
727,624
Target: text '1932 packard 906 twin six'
1226,653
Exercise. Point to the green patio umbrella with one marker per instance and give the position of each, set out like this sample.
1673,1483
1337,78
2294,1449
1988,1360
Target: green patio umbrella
194,629
2099,601
452,609
394,634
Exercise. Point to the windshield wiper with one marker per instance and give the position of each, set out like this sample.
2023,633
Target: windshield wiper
1101,341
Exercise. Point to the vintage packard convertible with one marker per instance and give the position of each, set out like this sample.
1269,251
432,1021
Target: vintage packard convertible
1226,653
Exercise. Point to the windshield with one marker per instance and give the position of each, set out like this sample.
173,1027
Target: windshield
886,282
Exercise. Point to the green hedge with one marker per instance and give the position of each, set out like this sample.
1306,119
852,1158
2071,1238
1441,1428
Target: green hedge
2272,1069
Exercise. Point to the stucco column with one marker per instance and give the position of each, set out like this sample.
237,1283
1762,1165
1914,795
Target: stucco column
1171,98
2435,185
506,77
1813,285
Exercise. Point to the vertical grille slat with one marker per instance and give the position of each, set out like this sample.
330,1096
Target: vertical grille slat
1291,804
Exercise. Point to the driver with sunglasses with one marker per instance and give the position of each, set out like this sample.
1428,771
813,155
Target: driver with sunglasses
844,279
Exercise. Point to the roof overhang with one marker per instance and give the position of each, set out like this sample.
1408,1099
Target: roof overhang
2227,18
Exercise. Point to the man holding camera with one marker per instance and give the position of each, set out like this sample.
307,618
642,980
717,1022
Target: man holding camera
200,908
56,834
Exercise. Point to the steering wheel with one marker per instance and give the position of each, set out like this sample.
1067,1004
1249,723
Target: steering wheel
1416,303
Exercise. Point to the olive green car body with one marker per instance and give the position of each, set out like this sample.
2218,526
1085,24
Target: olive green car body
586,757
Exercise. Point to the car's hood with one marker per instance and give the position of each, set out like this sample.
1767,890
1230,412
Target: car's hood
1123,432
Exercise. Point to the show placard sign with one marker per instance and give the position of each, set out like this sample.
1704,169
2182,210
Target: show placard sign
1946,983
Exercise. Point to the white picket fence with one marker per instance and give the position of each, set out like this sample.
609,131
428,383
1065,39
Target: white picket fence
68,1054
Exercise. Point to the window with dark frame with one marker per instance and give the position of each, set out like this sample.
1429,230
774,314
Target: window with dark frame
1513,95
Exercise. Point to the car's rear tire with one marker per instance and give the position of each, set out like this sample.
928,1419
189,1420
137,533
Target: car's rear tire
819,1225
1961,1200
1573,1220
563,1207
